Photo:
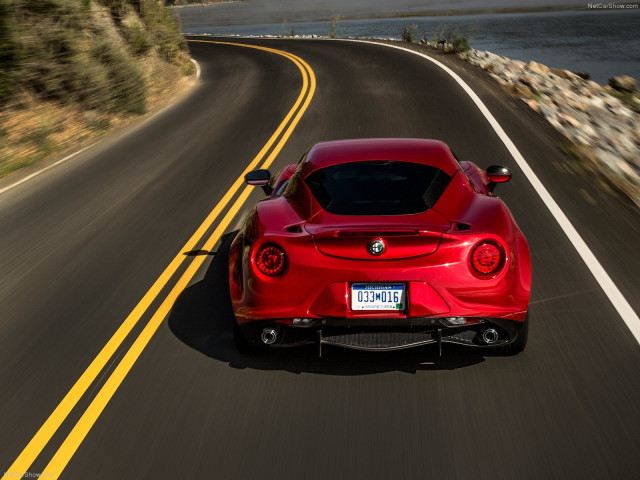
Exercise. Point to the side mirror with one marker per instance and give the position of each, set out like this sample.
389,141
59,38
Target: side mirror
497,174
259,178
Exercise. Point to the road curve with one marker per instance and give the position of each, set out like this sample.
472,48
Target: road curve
81,244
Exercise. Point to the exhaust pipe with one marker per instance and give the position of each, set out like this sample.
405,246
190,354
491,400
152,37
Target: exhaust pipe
269,336
489,336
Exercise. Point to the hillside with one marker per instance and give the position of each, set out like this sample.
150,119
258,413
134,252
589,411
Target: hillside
70,71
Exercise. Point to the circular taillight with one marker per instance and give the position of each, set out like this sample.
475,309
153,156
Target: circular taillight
487,258
270,260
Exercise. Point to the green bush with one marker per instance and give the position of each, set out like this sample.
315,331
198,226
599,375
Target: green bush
455,42
49,55
168,48
334,24
164,27
69,14
440,35
96,94
137,38
459,42
48,38
8,51
407,33
127,89
188,68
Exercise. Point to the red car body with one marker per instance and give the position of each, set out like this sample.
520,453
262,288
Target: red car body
451,264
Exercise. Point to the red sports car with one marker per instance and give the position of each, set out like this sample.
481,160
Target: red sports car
380,244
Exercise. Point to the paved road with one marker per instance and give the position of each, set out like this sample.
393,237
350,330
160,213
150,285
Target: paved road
81,244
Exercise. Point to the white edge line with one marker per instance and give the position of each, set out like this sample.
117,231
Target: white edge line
197,68
610,289
35,174
69,157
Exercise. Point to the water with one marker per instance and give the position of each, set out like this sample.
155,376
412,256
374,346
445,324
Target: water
602,42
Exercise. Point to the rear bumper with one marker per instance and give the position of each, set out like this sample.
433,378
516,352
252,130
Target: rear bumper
320,286
383,334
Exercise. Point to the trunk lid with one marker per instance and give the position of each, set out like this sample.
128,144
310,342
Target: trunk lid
377,238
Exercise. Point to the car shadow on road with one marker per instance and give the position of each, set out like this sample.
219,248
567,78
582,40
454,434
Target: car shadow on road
202,319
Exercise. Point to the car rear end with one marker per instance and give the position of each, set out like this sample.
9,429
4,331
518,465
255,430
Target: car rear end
377,270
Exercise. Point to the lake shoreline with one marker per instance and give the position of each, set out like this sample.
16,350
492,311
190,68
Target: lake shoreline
406,14
601,132
579,40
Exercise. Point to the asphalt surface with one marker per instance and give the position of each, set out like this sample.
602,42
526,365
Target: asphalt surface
82,243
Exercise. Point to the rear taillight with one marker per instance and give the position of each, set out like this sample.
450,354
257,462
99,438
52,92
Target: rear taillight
271,260
487,258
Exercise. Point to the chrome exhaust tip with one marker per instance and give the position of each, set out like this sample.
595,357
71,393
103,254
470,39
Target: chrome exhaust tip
269,336
489,336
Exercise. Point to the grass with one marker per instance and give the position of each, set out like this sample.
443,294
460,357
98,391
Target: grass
30,134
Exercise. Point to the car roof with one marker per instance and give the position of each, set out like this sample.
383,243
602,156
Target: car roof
427,152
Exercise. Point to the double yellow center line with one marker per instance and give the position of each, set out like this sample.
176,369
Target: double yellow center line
66,451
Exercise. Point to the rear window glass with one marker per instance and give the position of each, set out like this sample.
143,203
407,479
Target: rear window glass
377,187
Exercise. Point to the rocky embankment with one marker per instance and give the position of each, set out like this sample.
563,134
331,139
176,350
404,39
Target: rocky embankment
601,122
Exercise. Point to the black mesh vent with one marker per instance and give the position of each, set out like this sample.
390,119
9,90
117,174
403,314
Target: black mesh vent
377,339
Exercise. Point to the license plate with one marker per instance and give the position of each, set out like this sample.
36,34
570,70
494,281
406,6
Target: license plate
377,296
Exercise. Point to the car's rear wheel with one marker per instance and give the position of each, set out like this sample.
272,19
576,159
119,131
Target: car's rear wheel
520,342
222,257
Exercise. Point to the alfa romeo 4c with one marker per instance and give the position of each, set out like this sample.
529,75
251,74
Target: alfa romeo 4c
380,244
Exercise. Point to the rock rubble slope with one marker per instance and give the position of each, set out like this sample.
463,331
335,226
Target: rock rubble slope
603,129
